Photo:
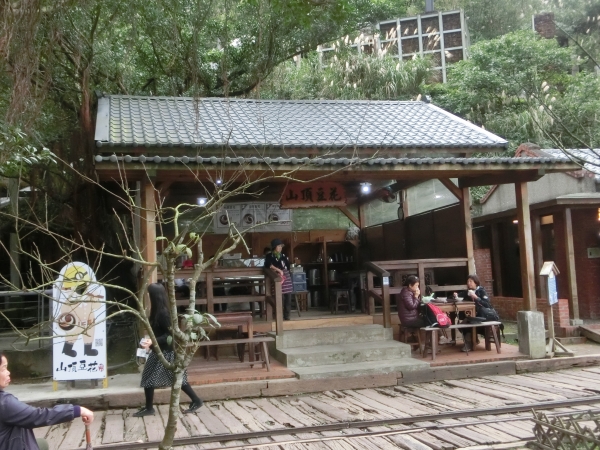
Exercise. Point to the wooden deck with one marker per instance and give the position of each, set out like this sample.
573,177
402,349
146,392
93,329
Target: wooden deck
330,407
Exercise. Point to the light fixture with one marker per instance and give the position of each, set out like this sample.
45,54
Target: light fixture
515,221
365,187
219,182
201,201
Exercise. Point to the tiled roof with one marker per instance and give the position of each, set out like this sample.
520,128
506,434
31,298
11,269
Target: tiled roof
321,161
588,158
210,122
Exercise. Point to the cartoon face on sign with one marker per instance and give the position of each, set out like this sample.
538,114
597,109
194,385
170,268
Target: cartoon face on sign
76,278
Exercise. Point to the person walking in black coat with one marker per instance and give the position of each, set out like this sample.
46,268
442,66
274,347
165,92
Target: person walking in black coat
18,419
155,375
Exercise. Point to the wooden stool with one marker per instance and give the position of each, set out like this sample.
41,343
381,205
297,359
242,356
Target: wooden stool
301,300
339,297
406,332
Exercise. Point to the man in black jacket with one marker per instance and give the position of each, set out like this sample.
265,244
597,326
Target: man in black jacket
17,419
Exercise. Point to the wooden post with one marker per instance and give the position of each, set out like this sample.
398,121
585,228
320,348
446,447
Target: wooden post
525,246
210,298
385,295
278,308
148,225
571,275
466,202
362,217
497,260
370,299
538,257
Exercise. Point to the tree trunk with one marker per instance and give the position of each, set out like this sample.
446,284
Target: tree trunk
167,442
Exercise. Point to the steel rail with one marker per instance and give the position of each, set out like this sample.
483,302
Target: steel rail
362,424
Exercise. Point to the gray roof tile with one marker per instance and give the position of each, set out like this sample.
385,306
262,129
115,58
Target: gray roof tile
320,161
210,122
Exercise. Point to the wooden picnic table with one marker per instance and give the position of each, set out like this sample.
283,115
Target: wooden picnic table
492,330
452,309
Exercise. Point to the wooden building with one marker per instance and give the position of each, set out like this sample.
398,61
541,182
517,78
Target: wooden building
175,144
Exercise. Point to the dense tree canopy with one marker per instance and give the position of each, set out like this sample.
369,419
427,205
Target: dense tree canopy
55,55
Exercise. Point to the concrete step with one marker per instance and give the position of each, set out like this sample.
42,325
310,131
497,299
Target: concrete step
333,335
320,355
573,340
358,369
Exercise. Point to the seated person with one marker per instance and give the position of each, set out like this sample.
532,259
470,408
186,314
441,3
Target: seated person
407,303
477,294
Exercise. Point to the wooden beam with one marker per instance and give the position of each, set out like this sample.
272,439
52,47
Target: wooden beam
508,176
571,274
349,215
447,182
466,203
497,260
525,246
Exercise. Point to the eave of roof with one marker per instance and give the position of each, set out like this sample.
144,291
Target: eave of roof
332,161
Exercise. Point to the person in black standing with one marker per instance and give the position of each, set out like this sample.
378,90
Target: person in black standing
155,375
279,263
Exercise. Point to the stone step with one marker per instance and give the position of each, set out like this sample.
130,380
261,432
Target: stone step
572,340
333,335
320,355
358,369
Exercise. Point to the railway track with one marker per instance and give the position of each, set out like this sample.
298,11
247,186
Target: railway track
370,424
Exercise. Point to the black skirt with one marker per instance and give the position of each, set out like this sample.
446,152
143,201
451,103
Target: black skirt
155,375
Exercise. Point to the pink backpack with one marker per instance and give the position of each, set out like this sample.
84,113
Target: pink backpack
435,317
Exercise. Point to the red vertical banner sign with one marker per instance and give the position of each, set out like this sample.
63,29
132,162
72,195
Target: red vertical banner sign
313,195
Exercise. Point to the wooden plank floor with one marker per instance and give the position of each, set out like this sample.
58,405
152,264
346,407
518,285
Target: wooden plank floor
293,412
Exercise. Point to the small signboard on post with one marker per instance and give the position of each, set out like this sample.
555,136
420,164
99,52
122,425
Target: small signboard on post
78,322
549,271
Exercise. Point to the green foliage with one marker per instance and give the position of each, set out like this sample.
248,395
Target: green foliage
348,75
499,87
18,153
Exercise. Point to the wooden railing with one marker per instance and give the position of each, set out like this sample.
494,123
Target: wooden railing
253,277
384,269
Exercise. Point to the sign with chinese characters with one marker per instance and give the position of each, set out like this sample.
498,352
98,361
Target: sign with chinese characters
311,195
260,216
78,312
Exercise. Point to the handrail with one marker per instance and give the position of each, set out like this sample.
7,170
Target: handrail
270,278
375,269
379,271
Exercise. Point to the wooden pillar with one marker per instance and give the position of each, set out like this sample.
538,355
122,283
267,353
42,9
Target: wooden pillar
148,225
497,260
571,275
466,203
525,246
362,217
538,257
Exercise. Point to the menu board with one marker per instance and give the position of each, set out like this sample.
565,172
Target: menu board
259,216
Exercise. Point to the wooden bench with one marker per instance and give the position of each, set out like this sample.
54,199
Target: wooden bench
265,361
492,330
